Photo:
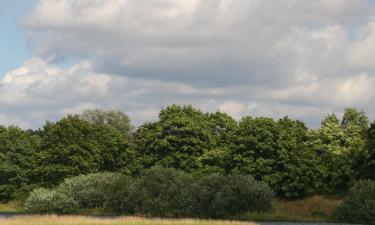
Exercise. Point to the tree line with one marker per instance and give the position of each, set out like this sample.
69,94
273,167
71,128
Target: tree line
292,159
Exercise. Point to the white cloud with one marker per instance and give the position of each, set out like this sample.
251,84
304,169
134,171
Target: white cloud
233,108
303,58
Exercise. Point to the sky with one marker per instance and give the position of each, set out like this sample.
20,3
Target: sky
299,58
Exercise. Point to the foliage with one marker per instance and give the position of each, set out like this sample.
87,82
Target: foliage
90,191
370,160
341,150
50,201
17,151
119,198
220,196
276,152
157,192
293,160
186,138
73,146
359,205
115,119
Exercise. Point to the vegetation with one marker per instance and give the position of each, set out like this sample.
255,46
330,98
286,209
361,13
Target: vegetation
80,220
294,161
156,192
359,205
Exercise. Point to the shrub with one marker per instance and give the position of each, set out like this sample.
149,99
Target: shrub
90,191
359,205
220,196
157,192
118,199
241,194
43,200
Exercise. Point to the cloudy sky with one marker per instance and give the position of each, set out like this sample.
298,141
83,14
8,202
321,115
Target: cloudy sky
299,58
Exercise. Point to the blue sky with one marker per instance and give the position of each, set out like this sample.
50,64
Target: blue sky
299,58
13,47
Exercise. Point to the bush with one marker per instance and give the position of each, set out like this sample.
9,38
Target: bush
241,194
119,196
221,196
43,200
157,192
359,205
90,191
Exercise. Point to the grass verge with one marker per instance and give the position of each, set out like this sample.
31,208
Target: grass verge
81,220
312,209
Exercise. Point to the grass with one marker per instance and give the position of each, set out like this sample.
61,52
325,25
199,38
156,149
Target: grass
10,207
81,220
312,209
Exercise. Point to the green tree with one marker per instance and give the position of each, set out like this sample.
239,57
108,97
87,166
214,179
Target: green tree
177,140
17,150
370,159
73,146
276,152
116,119
218,158
355,124
330,142
188,139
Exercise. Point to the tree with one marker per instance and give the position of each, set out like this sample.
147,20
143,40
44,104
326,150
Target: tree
370,159
218,158
188,139
276,152
17,149
73,146
177,140
116,119
353,117
355,124
330,143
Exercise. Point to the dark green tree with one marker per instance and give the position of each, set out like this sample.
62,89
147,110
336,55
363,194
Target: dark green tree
370,160
17,150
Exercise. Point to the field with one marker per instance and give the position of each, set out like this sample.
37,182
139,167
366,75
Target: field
80,220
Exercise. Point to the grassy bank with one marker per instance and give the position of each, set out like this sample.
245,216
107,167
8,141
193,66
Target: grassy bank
312,209
10,207
80,220
316,208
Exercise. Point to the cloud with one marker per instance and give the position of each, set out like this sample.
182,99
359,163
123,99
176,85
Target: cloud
301,58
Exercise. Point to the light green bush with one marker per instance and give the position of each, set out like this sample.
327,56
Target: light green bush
90,191
43,200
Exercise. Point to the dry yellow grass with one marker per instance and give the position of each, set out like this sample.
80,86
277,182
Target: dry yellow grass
82,220
12,206
315,206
